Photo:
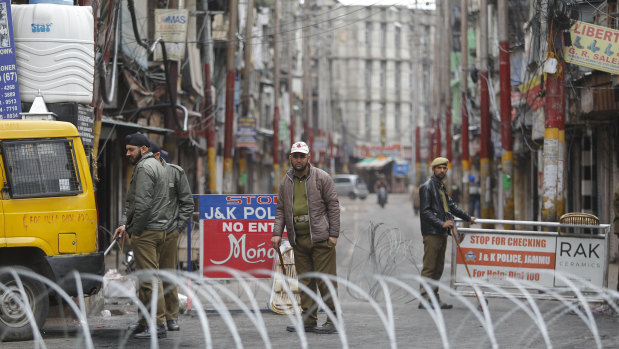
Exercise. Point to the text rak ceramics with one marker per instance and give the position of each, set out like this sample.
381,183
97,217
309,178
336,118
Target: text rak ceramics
235,233
499,257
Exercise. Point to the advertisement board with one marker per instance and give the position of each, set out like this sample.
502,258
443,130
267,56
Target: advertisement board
10,103
171,26
236,233
536,259
593,46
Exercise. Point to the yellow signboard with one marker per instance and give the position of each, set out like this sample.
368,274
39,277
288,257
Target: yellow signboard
593,46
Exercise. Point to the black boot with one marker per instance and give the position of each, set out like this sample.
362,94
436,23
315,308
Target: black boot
146,334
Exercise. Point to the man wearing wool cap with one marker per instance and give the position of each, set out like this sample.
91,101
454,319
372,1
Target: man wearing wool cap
436,215
145,220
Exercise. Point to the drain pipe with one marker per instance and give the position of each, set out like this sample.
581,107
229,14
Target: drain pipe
109,92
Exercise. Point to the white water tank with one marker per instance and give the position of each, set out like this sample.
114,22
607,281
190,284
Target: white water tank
54,46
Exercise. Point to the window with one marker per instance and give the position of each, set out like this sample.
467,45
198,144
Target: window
368,74
39,168
368,34
398,77
383,36
368,119
383,72
398,121
397,39
411,79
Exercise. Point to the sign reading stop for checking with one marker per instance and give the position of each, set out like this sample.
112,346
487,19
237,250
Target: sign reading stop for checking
236,233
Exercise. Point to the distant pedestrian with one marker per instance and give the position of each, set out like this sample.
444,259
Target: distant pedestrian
145,221
179,211
474,196
436,218
309,209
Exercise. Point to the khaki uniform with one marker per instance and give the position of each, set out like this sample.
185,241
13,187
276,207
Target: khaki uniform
180,211
146,221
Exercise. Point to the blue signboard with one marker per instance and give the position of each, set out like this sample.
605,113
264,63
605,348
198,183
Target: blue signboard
246,132
10,104
401,168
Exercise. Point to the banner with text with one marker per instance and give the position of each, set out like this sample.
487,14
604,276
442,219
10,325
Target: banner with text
498,257
10,103
593,46
236,233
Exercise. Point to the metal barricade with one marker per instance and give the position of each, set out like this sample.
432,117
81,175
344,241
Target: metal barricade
499,256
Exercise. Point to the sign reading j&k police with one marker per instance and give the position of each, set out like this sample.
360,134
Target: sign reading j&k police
236,233
10,104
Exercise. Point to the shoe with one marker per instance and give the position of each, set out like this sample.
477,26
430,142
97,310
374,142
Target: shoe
135,328
326,328
446,306
161,333
421,306
173,325
292,328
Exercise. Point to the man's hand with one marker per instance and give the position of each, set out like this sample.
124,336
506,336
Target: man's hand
333,240
473,220
448,224
276,240
120,233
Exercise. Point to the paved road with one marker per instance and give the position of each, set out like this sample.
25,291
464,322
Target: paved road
373,240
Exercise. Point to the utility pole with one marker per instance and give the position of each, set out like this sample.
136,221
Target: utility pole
447,88
484,166
289,57
507,156
418,155
170,113
276,174
230,74
464,52
438,80
307,80
554,141
209,114
245,95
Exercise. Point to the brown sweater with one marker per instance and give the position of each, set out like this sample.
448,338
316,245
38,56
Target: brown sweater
324,206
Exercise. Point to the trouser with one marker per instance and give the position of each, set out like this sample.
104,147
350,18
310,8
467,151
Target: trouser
434,247
169,260
146,250
314,257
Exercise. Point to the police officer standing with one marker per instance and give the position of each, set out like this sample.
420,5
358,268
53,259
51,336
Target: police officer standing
436,218
145,221
180,211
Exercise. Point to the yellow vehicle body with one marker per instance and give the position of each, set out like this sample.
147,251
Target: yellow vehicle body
48,215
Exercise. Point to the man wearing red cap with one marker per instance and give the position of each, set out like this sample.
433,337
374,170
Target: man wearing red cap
309,209
436,218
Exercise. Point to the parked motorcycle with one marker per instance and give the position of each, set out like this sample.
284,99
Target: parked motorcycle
382,196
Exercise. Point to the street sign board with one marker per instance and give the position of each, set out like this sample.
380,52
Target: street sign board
235,232
10,103
498,257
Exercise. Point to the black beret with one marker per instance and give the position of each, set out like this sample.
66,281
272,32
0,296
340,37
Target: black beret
137,139
164,155
154,147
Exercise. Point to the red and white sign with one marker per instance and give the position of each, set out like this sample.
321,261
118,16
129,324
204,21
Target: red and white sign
536,259
236,233
497,257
